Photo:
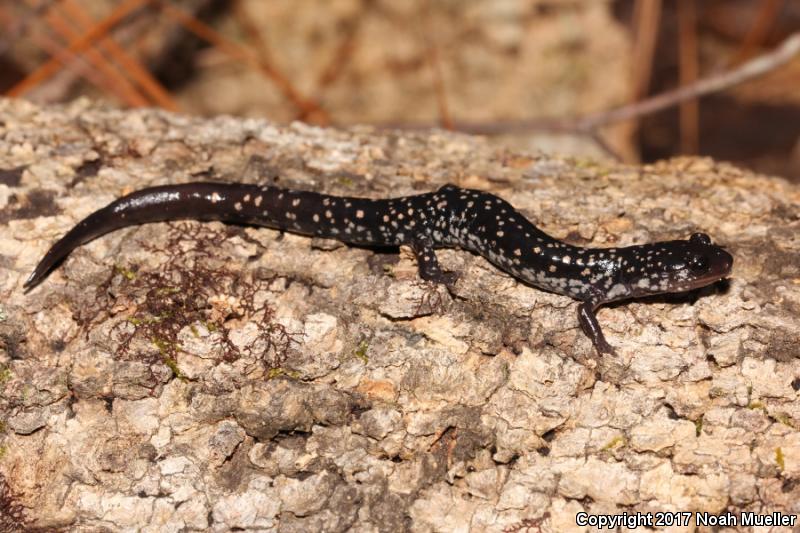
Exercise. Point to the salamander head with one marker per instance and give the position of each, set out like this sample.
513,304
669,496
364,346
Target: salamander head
672,266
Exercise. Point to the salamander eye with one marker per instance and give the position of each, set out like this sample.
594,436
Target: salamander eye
700,238
698,263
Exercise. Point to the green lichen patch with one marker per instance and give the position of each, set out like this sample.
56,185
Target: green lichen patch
273,373
5,374
615,442
698,426
361,352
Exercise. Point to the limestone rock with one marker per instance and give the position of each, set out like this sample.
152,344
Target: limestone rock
301,386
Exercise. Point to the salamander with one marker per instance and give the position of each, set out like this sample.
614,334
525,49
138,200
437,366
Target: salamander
448,217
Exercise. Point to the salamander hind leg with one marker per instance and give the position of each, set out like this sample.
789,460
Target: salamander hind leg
429,268
591,327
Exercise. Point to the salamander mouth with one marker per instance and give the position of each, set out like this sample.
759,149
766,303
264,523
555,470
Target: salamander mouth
700,282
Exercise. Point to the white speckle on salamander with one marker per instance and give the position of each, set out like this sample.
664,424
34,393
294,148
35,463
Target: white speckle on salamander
616,291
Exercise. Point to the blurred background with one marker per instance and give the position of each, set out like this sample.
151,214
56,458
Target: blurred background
582,77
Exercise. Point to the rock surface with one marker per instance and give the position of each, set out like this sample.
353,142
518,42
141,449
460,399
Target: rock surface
178,377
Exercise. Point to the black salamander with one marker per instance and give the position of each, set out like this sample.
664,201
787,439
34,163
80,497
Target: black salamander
450,217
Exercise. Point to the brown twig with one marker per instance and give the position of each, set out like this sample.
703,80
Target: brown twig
588,123
763,23
724,80
119,84
344,51
74,64
305,106
689,72
435,64
131,66
647,17
77,46
252,32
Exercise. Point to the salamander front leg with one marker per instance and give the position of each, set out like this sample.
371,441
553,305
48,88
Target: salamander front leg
429,268
591,327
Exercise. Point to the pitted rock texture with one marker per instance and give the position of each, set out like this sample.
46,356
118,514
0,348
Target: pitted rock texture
314,386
